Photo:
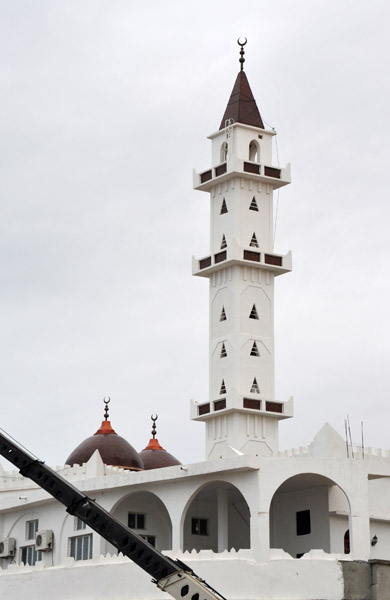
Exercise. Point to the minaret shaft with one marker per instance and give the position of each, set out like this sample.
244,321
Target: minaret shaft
242,413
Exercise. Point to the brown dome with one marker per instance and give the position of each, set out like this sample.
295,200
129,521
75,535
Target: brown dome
113,449
155,457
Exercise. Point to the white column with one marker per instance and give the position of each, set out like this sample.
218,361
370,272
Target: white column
356,490
176,536
222,506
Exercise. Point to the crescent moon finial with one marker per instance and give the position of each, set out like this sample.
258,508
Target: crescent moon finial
106,403
154,430
242,51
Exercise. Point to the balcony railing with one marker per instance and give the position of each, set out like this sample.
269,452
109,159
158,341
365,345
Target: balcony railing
220,170
251,403
271,259
251,255
205,262
220,257
247,167
252,168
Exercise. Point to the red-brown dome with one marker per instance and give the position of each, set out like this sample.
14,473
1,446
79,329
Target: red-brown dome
155,457
113,449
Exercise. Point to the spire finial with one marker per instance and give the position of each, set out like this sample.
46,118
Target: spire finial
154,430
106,402
242,51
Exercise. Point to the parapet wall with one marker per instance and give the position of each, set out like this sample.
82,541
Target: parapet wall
235,575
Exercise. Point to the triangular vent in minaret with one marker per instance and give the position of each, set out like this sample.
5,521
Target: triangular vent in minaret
253,205
254,242
223,388
223,208
255,388
223,314
254,314
223,351
223,243
255,350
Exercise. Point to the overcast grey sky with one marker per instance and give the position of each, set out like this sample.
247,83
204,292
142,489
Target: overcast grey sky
104,110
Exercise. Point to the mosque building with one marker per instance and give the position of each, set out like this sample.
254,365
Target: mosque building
308,524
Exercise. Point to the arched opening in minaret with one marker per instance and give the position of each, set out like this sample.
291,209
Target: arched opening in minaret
254,151
347,549
224,152
147,515
309,511
216,518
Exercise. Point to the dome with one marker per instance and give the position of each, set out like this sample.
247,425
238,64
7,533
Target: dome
113,448
154,456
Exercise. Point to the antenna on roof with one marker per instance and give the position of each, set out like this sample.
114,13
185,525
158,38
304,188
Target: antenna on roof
361,426
350,437
346,437
242,52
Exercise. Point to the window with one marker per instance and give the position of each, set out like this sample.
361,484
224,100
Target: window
253,205
223,208
254,314
151,539
223,388
223,243
31,530
79,524
136,521
254,242
199,526
303,522
255,387
223,314
29,556
255,350
81,547
223,351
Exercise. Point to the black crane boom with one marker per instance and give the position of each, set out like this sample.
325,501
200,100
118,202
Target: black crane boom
171,576
94,515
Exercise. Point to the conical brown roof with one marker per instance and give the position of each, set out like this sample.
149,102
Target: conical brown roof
242,107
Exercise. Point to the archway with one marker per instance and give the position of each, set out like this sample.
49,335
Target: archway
224,152
217,518
309,511
147,515
254,152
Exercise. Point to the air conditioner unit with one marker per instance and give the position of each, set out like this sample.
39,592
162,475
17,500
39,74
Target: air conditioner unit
44,540
7,547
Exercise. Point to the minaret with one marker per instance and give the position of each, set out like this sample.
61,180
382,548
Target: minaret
242,413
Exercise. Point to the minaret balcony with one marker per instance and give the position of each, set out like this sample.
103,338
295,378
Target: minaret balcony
237,255
243,169
236,402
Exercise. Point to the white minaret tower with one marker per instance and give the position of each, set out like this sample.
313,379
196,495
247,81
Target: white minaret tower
242,413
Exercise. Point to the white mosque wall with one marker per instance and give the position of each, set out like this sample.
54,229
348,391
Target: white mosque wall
235,575
235,495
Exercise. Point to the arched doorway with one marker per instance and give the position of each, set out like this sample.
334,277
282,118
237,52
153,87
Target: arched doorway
147,515
217,518
309,511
